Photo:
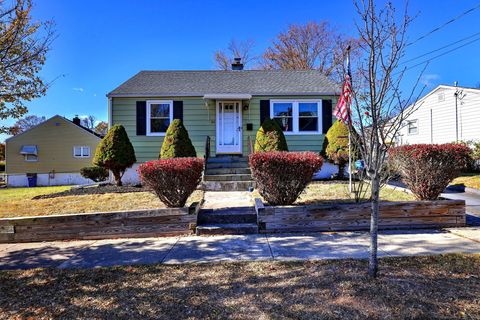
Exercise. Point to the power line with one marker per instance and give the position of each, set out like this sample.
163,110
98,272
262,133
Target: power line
441,48
445,24
442,54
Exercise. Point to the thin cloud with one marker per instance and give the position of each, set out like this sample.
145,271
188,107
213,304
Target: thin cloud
78,89
429,79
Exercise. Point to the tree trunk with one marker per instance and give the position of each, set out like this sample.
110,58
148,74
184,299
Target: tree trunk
373,260
118,178
341,169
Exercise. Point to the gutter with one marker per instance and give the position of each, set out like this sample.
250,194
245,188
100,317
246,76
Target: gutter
259,94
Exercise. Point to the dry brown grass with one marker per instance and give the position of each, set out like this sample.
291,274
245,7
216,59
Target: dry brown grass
471,180
19,202
434,287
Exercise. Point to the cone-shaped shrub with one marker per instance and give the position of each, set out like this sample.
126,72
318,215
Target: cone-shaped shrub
115,153
270,137
172,180
281,176
337,147
177,143
427,169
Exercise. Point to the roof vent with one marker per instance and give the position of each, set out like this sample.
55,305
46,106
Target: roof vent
76,120
237,64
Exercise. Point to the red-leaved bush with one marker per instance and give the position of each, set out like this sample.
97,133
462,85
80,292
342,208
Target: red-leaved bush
281,176
427,169
173,180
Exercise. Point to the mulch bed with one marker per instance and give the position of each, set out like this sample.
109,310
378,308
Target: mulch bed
98,189
446,287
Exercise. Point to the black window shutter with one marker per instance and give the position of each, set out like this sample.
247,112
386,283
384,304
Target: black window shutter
141,118
264,110
178,110
326,115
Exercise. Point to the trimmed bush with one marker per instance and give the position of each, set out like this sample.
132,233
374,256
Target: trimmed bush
270,137
177,143
172,180
115,153
282,176
337,147
427,169
94,173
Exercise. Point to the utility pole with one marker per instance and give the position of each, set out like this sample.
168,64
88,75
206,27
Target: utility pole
459,95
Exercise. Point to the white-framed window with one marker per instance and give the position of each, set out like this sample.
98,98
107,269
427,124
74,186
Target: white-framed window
159,116
31,157
29,152
81,152
412,126
297,116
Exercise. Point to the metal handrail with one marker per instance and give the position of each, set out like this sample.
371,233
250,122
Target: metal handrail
207,152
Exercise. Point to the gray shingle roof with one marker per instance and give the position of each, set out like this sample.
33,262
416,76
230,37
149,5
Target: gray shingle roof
199,83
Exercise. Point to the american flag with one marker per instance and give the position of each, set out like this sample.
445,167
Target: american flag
342,110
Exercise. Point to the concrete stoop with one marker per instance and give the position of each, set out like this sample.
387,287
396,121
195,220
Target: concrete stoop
227,173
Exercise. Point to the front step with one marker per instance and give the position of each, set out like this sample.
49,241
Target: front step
215,171
227,228
227,215
228,185
228,177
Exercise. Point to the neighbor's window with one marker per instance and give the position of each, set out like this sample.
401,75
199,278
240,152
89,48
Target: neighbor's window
81,152
413,127
159,116
30,152
297,116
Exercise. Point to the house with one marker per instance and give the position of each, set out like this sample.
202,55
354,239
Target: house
54,150
225,106
446,114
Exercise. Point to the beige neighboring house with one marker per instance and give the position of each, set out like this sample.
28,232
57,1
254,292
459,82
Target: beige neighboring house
54,150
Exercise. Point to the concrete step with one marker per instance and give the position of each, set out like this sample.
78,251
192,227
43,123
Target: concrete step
227,165
227,171
228,177
227,215
227,185
227,159
227,228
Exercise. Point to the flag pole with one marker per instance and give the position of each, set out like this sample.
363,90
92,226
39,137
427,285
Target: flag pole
350,188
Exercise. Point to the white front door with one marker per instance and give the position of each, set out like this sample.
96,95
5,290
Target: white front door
229,127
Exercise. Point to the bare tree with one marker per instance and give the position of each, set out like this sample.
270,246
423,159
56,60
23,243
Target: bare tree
242,49
379,106
23,47
309,46
26,123
88,122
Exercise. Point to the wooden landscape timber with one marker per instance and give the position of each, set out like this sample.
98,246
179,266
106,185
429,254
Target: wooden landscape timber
104,225
356,216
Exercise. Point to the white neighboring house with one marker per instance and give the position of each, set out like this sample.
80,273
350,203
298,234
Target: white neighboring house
446,114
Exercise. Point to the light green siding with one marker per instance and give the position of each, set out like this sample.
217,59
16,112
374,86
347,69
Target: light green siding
200,123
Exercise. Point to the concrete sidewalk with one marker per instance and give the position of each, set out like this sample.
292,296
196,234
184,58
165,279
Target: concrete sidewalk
194,249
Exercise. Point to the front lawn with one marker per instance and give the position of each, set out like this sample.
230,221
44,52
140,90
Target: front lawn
328,192
16,202
444,287
470,180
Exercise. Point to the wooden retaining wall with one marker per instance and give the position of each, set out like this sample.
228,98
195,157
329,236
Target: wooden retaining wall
105,225
352,216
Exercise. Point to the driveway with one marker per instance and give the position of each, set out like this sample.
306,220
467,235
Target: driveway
194,249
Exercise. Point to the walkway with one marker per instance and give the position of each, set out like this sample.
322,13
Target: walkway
193,249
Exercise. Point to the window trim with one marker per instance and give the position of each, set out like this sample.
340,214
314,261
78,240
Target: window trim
408,127
296,118
82,153
148,117
30,154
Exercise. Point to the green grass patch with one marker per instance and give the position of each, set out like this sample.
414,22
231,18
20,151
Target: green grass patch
12,194
470,180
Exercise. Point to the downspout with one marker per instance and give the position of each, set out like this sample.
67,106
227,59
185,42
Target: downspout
431,126
110,120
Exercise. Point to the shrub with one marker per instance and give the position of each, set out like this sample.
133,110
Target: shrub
172,180
177,143
337,147
2,166
94,173
270,137
115,153
282,176
427,169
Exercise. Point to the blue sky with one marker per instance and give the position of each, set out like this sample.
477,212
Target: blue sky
100,44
